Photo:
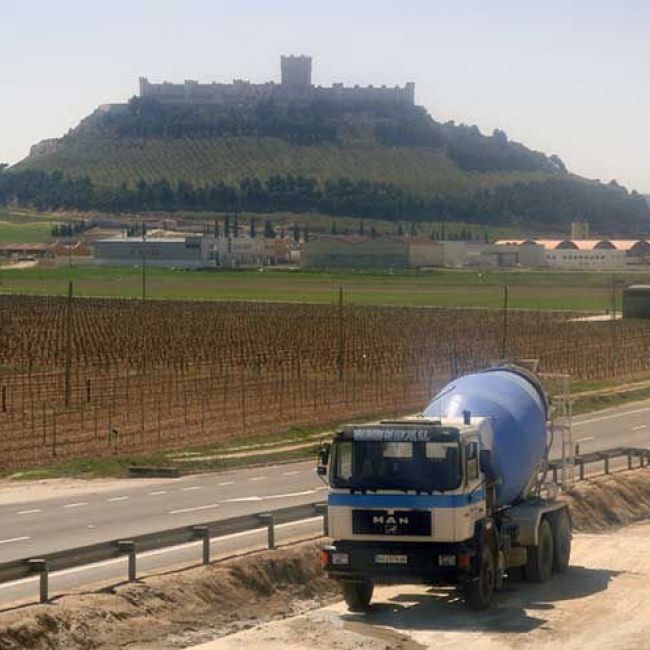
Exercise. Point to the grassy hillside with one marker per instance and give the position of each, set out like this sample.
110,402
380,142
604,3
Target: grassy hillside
111,161
394,163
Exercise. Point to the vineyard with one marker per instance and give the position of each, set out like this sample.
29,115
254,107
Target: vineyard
84,377
110,161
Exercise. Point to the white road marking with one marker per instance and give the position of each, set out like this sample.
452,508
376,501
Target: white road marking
610,417
13,539
290,473
28,512
118,499
76,505
258,478
194,509
641,426
155,494
190,488
225,483
270,496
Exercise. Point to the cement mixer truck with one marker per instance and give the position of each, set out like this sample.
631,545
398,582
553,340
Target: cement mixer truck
456,496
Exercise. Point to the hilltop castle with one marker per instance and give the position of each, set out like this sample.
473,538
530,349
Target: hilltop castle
295,87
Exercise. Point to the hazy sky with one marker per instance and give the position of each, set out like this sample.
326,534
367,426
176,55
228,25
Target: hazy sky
571,78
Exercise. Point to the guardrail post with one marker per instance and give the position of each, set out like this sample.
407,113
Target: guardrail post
128,548
606,459
642,458
268,519
629,459
40,567
554,473
321,509
203,533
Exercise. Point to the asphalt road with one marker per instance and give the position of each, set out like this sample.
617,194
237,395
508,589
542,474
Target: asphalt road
40,526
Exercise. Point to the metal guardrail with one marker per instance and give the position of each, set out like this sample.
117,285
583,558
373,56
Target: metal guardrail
603,456
129,547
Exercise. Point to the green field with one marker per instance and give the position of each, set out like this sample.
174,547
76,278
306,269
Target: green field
110,161
24,227
449,288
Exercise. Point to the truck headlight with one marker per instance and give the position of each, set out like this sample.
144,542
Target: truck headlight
446,560
340,558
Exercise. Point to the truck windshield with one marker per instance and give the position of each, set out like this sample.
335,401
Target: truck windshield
369,465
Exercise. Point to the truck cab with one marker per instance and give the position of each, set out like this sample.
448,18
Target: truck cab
413,500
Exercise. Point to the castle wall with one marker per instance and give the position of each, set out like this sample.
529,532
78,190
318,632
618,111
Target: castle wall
296,87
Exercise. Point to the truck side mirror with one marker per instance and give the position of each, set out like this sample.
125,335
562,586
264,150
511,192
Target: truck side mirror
323,459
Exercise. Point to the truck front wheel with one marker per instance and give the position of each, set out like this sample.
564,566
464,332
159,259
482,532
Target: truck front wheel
540,558
479,593
357,595
561,541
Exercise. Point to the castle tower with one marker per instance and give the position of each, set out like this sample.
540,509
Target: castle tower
296,71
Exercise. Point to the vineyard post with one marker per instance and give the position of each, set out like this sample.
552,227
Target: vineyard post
144,261
504,341
341,342
68,345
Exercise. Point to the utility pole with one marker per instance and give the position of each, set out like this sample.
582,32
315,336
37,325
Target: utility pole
144,261
505,321
68,346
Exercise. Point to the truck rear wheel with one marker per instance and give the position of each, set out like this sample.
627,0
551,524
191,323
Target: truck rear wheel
561,525
479,593
357,595
540,558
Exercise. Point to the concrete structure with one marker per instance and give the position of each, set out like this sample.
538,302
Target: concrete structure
184,252
296,87
386,251
636,301
235,252
424,252
507,255
23,251
577,253
580,230
356,251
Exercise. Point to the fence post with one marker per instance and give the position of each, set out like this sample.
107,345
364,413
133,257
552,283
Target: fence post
629,459
268,519
4,399
606,459
203,533
128,548
582,469
40,567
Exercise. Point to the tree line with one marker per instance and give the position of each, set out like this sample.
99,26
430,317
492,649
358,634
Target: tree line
544,205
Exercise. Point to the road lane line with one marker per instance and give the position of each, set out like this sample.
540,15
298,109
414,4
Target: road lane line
190,488
290,473
155,494
29,512
225,483
118,499
641,426
610,417
194,509
270,496
258,478
13,539
76,505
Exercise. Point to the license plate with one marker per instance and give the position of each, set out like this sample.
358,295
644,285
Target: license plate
391,559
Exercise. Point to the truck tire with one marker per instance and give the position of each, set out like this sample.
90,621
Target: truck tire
357,595
540,558
561,525
479,593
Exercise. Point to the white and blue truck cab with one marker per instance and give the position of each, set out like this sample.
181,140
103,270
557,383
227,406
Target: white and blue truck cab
422,499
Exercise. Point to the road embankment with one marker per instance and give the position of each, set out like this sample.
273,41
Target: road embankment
255,592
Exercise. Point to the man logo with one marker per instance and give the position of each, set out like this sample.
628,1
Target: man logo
390,520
